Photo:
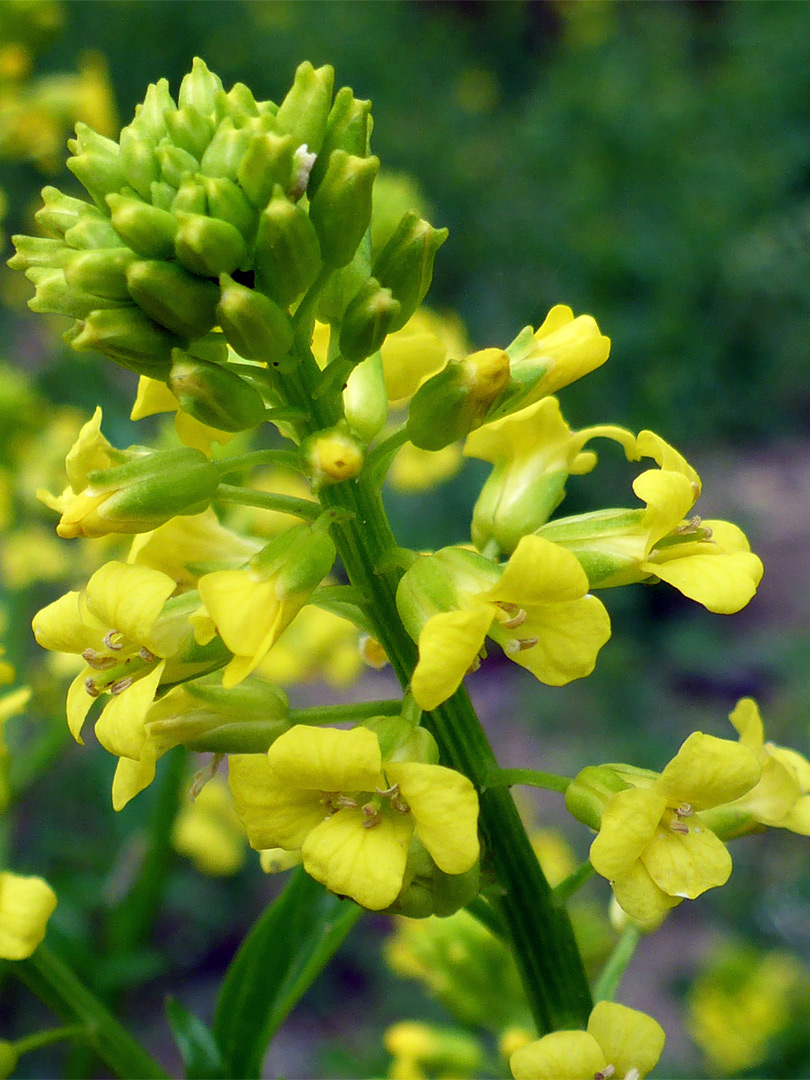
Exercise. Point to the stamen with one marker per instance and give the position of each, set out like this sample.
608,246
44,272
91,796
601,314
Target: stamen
91,688
527,643
517,621
372,816
400,805
344,802
605,1073
121,685
475,665
388,791
679,827
684,810
110,644
91,657
146,654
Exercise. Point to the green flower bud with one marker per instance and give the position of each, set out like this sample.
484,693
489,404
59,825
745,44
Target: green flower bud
449,405
367,321
304,111
92,231
268,161
344,284
147,230
427,890
190,197
199,87
175,163
401,741
227,201
54,295
149,116
225,151
101,271
254,325
182,302
60,211
139,161
341,207
207,246
96,163
39,251
405,264
238,104
332,455
128,337
590,791
287,257
347,128
214,394
189,129
365,398
163,195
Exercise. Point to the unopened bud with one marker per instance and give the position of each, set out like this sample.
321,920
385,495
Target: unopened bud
60,211
139,161
39,251
175,163
341,207
54,296
405,264
304,111
208,246
199,87
367,321
226,151
254,325
590,791
347,128
147,230
190,197
227,201
449,405
333,455
268,161
182,302
214,394
189,129
365,398
102,272
96,163
128,337
92,231
287,257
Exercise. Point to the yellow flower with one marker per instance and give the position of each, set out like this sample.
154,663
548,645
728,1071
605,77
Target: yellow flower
652,846
533,451
415,470
536,607
251,607
420,1050
208,831
316,645
328,792
419,350
26,904
154,396
620,1043
708,561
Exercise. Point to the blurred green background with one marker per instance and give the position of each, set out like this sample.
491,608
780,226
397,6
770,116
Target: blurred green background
648,163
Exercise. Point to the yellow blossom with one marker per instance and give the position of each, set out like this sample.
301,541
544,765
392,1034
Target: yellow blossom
208,831
653,846
619,1042
26,904
316,645
536,607
420,1050
154,396
415,470
328,792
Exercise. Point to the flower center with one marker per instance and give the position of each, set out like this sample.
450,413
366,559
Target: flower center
121,666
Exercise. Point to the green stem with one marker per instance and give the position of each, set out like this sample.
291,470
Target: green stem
528,778
47,1038
289,459
339,714
484,913
380,458
608,982
542,938
263,500
55,984
568,886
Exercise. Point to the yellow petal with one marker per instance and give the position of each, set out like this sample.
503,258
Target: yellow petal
687,864
444,805
248,613
637,894
708,771
629,822
573,347
539,572
128,598
723,581
569,637
327,759
132,777
669,497
409,359
65,626
562,1055
271,816
772,799
78,704
120,728
748,722
90,451
629,1039
26,904
798,818
153,396
448,645
193,432
648,444
367,864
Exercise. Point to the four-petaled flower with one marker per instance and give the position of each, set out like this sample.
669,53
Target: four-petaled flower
26,904
329,793
620,1043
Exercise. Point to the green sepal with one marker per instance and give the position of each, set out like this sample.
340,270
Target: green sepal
96,163
189,129
54,295
304,111
101,271
190,197
128,337
92,231
427,890
195,1042
149,114
365,398
341,207
590,791
175,163
254,325
139,161
149,231
457,399
199,87
60,212
347,128
344,284
182,302
214,394
367,321
400,740
227,201
225,151
239,105
267,161
287,256
405,263
208,246
39,251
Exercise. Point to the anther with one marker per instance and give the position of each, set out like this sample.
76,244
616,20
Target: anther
120,685
146,654
91,688
371,813
110,644
605,1073
684,810
344,802
517,621
679,827
91,657
526,643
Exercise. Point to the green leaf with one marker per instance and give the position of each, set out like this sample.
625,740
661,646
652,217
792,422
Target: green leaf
277,962
198,1047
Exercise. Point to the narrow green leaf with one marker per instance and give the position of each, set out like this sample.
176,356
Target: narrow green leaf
198,1047
277,962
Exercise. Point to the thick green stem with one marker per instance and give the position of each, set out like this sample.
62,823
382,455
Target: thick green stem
55,984
542,938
